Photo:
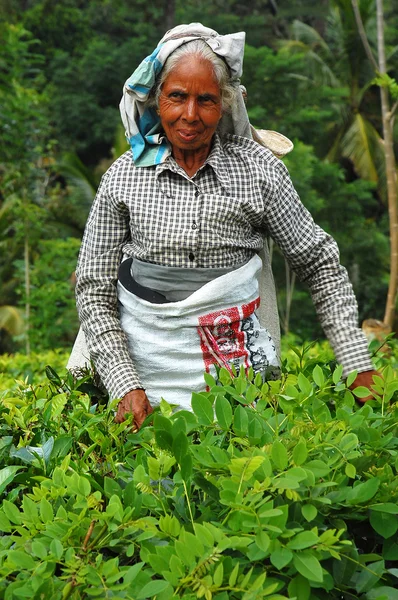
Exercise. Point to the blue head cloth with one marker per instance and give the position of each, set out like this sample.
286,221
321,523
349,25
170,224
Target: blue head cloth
143,129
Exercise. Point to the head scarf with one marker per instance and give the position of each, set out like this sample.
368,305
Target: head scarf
142,124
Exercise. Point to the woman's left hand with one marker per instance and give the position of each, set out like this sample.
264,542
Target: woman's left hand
365,379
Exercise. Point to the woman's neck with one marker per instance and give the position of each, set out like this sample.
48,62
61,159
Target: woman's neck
191,160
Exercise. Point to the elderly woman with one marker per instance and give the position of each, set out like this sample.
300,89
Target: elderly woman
168,273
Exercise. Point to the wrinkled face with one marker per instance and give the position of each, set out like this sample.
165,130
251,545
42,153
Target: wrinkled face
190,105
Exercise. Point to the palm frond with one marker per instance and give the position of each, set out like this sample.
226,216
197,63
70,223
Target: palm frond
11,320
361,145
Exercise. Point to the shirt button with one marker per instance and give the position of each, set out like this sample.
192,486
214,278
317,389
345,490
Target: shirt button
194,225
191,256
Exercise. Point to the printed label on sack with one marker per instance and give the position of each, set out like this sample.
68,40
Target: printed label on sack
224,336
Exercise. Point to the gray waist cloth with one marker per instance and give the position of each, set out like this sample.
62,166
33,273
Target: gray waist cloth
175,283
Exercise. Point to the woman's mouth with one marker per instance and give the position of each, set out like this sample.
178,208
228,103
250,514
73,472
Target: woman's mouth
186,135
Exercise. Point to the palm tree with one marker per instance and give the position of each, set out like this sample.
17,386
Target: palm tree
363,132
387,112
339,61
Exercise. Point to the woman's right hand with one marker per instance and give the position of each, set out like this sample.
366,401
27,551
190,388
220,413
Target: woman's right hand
135,403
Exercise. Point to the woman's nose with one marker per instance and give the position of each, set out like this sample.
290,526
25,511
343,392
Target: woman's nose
191,109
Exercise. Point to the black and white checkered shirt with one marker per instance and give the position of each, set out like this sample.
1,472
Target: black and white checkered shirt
218,218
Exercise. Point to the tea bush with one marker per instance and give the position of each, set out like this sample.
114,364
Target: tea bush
29,368
285,489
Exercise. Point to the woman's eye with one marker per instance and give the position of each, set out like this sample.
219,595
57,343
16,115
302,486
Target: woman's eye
177,95
205,99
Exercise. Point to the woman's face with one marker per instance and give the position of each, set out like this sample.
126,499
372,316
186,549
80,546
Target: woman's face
190,105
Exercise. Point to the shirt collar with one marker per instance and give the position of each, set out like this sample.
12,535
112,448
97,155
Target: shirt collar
216,160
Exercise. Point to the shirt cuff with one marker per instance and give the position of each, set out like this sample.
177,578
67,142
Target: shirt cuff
121,379
353,354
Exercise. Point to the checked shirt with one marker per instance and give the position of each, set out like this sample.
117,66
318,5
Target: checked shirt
217,218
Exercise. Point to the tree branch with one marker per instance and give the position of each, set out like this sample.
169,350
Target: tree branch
363,36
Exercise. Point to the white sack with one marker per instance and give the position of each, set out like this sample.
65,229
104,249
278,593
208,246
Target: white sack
172,344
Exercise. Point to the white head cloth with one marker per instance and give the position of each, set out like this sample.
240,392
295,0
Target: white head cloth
143,131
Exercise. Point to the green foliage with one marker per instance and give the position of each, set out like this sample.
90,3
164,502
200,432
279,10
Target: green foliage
285,489
17,368
53,317
345,210
63,66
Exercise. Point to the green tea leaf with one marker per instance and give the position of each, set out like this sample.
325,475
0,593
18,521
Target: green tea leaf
22,560
309,512
318,468
140,475
351,378
162,423
304,539
234,575
308,566
218,575
180,446
262,540
153,468
153,588
300,588
11,512
164,439
245,467
132,572
223,412
318,376
56,548
39,549
304,384
363,492
7,476
112,487
300,453
241,421
361,392
204,535
186,467
384,523
252,393
169,524
281,557
279,455
368,577
202,408
348,442
383,592
337,374
209,379
387,507
350,471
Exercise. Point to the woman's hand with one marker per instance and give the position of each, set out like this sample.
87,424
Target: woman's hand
364,379
135,403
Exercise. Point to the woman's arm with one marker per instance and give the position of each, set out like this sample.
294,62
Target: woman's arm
314,256
106,233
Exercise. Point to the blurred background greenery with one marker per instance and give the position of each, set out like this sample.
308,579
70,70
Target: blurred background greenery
62,67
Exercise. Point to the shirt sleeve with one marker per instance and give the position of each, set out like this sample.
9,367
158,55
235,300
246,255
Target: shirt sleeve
314,256
106,232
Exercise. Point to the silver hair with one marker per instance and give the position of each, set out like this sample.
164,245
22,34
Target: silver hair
221,71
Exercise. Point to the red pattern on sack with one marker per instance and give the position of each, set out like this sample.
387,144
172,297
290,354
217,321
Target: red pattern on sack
221,337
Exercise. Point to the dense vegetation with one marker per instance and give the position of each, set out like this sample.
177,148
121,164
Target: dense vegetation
62,69
277,490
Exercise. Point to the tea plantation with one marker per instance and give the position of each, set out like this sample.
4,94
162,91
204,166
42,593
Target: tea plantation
286,489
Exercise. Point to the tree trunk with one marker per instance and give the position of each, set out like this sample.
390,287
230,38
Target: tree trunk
391,173
387,116
27,292
169,14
